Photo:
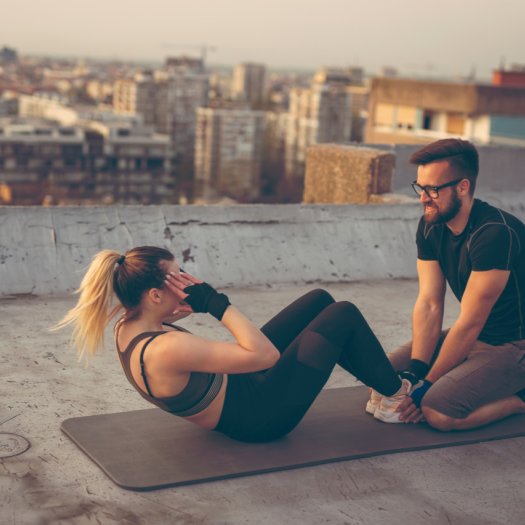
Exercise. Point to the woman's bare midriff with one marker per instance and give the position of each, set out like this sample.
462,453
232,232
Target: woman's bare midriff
208,418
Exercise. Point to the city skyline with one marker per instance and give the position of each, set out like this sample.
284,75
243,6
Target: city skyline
455,40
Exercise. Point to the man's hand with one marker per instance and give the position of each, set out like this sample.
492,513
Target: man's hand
409,412
410,408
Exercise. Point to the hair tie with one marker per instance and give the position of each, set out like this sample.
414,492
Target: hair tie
120,260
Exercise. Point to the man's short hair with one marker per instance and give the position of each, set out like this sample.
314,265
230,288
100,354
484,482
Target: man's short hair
462,156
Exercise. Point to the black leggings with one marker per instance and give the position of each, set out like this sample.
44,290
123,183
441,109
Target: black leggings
313,334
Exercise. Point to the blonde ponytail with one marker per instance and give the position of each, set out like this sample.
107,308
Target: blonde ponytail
93,310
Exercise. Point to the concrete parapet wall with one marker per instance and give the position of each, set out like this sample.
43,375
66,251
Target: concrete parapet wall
46,250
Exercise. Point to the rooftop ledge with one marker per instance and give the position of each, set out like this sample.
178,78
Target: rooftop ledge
46,250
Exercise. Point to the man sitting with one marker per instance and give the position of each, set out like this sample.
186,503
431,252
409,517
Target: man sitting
473,373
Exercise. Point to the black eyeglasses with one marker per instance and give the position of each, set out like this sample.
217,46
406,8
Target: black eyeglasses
433,191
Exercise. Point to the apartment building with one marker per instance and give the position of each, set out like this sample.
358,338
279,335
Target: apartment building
49,163
418,111
53,107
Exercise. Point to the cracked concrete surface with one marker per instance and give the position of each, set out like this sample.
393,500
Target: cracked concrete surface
55,483
45,250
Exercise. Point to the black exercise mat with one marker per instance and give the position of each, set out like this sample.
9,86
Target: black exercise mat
150,449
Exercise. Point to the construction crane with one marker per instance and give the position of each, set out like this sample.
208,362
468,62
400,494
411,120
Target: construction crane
204,48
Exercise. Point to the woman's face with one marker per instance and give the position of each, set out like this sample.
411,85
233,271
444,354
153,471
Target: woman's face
171,266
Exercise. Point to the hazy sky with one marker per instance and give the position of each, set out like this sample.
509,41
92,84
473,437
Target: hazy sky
430,37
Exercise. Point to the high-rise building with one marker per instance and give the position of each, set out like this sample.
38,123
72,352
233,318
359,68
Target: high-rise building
228,150
249,82
319,114
359,96
185,91
272,169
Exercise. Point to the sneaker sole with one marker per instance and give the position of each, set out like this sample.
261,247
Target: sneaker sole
387,417
371,408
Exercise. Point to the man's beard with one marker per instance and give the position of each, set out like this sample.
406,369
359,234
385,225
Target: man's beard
445,215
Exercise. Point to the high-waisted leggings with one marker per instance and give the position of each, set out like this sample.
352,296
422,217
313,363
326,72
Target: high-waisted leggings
313,334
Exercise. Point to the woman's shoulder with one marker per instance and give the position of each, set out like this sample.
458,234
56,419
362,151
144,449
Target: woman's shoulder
170,340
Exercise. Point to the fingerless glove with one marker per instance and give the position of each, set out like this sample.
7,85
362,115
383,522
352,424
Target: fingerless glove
204,298
419,391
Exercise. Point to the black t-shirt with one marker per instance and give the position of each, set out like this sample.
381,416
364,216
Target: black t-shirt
492,239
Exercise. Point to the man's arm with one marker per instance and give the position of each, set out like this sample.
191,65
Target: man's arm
427,317
481,293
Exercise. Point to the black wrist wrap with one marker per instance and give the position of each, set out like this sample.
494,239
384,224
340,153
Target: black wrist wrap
418,368
217,305
203,298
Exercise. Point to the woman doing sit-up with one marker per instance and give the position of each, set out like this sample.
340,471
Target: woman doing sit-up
257,388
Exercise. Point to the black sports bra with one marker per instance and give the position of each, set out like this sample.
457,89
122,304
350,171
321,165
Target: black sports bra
202,388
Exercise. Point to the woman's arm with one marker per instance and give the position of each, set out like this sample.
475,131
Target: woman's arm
183,352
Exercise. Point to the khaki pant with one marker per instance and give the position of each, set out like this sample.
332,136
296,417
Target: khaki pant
487,374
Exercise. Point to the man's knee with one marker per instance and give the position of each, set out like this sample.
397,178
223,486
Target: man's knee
440,421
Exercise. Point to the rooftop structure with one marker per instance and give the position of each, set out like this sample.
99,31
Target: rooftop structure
513,76
185,63
340,75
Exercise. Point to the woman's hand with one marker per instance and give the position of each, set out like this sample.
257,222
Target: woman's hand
250,352
182,311
201,296
176,283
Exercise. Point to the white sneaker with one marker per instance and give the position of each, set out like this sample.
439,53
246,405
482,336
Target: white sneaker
373,403
386,411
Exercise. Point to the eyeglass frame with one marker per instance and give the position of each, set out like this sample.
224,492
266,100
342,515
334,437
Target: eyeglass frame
435,189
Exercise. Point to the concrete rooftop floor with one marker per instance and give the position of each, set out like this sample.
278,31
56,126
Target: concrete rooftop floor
55,483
